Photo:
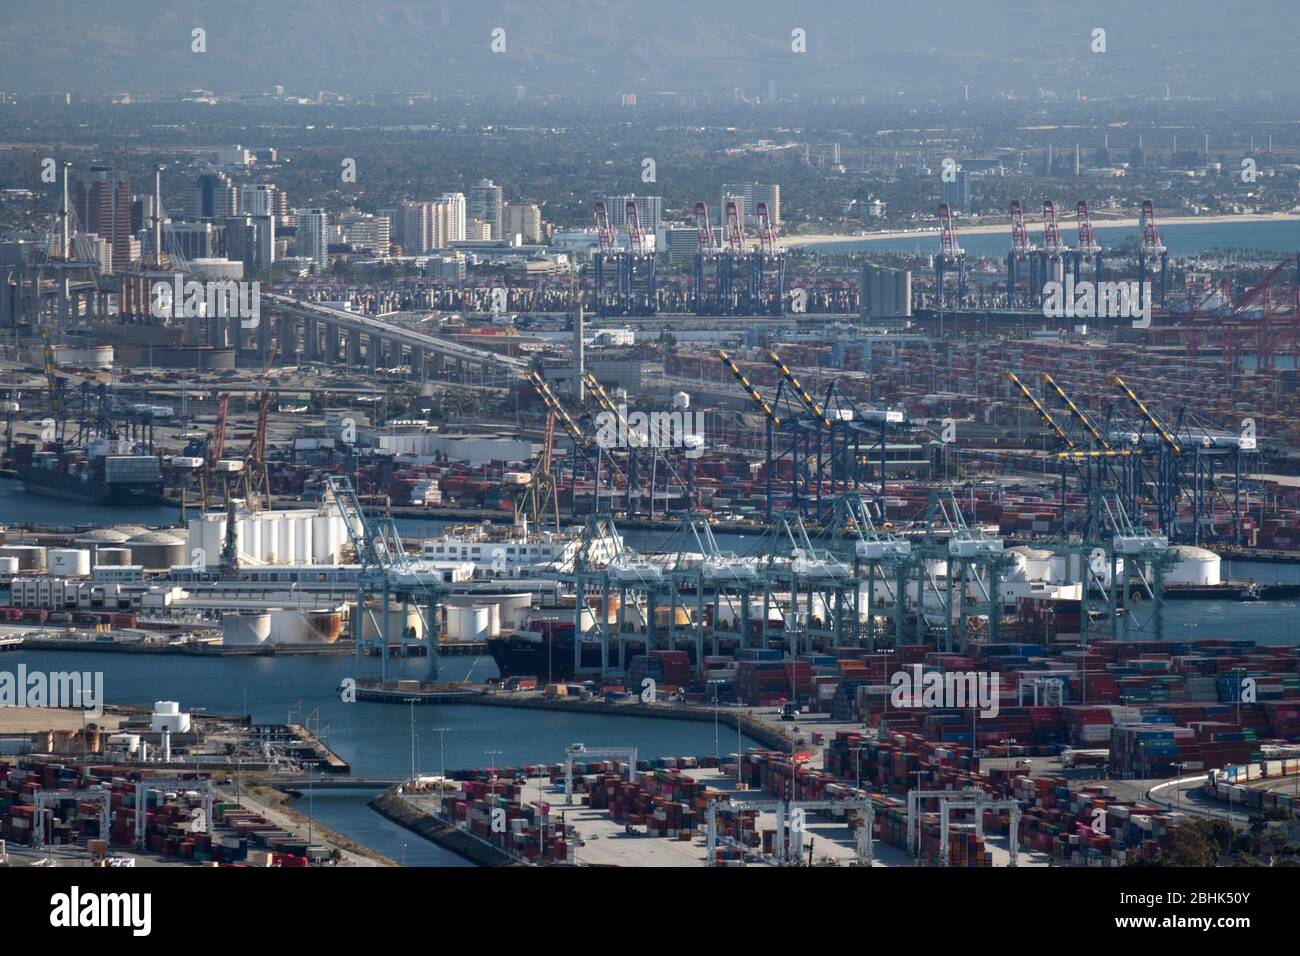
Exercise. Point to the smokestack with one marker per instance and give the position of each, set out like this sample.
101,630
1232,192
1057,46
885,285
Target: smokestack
157,216
579,359
65,249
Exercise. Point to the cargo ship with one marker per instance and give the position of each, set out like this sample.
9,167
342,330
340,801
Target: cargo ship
544,650
107,472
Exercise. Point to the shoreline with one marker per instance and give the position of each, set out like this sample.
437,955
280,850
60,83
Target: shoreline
983,229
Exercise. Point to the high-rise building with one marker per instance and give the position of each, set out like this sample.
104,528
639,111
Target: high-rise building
485,202
213,196
524,220
365,231
753,194
265,257
103,206
649,212
413,229
957,193
679,243
258,199
193,240
313,230
449,219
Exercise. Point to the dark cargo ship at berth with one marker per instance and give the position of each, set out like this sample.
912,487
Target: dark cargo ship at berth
106,473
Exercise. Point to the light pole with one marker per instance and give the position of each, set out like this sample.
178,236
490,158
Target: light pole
311,812
442,762
492,770
716,690
1178,790
411,701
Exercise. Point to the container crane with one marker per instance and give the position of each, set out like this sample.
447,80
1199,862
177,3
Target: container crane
709,300
1088,247
1021,250
1152,251
951,256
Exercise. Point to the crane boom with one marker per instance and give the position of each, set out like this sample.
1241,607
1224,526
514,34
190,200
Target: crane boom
635,240
808,401
948,233
766,230
1079,415
735,227
1088,245
1052,243
553,404
1152,420
604,234
750,390
1043,413
1020,244
704,229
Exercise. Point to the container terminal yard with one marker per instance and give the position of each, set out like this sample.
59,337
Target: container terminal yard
929,565
819,445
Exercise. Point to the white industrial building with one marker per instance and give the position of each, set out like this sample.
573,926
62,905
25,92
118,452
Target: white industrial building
424,446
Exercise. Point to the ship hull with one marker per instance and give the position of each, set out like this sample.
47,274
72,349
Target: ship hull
522,658
92,492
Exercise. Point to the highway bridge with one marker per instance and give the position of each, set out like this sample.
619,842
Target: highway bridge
319,333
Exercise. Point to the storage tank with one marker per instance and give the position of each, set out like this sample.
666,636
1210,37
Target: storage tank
326,625
469,623
68,562
1194,566
242,628
397,624
98,538
1035,563
112,557
159,550
31,557
8,565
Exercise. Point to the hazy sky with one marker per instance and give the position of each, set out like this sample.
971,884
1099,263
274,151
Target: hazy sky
1200,47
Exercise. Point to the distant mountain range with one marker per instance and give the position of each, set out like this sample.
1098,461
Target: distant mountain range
927,49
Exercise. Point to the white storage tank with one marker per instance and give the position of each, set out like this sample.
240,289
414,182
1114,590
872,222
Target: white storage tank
8,565
68,562
1194,566
244,628
167,715
469,623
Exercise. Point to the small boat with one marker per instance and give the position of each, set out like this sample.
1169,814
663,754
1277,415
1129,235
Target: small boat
1251,592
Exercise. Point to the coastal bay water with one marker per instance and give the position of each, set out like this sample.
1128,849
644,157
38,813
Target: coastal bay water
1182,238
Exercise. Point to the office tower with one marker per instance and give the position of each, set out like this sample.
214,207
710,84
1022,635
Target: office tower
524,220
485,203
313,228
212,197
957,193
103,206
